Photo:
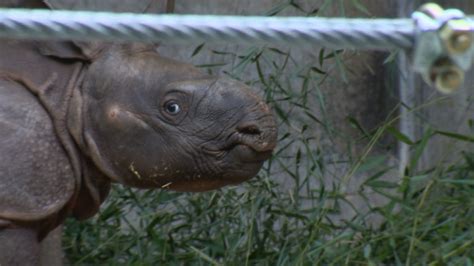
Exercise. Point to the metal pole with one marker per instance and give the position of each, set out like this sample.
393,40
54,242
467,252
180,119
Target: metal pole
375,34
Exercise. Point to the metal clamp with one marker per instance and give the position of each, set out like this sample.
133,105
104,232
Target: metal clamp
444,47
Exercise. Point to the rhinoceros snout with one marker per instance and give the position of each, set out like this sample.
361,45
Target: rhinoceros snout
259,135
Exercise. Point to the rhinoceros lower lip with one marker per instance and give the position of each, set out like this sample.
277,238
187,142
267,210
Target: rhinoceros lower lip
247,154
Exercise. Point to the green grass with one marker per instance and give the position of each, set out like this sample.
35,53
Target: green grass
299,210
429,220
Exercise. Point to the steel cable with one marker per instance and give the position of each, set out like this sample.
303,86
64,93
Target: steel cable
377,34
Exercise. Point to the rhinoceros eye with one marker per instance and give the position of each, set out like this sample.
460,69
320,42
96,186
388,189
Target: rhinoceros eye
172,107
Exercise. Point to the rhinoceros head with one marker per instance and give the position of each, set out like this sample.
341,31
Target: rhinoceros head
149,121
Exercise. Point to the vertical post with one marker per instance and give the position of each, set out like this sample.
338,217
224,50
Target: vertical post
407,93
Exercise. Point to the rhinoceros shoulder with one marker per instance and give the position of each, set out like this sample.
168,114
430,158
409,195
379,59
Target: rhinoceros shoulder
36,179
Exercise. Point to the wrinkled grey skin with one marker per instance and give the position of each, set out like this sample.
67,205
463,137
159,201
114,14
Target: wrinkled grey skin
75,117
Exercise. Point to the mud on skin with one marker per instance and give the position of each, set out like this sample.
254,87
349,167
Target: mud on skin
75,117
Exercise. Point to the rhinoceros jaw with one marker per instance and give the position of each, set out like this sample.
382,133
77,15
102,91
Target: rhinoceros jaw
98,158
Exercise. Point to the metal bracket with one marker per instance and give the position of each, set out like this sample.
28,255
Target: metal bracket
444,46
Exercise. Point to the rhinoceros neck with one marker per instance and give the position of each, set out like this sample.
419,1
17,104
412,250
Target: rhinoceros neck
75,126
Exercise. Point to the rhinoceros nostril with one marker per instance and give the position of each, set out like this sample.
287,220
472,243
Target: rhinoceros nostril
249,129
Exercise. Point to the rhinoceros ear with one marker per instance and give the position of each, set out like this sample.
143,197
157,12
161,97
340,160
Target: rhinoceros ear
72,50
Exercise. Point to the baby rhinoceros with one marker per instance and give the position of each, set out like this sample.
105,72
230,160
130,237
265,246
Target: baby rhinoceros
76,117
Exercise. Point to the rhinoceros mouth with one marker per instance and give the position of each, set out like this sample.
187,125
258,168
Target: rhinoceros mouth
247,149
